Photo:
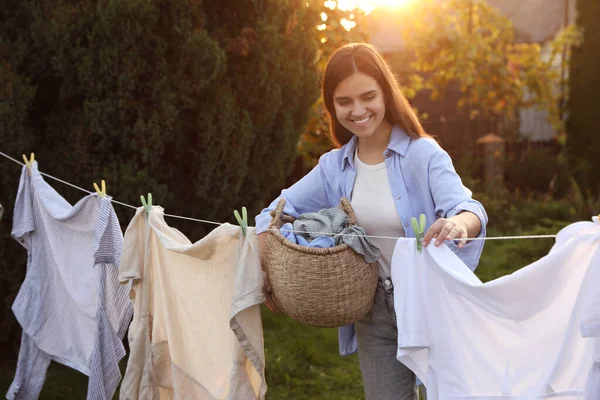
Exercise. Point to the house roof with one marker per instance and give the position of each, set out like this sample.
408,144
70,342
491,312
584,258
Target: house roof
536,20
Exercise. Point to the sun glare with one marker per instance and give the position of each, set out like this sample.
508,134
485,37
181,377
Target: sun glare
390,3
366,5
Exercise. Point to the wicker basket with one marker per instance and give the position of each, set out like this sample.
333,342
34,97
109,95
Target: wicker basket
326,288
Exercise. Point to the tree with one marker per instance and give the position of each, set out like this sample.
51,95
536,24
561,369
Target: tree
469,44
583,140
200,103
337,27
16,97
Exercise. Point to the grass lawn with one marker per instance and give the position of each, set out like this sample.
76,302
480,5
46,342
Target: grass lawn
303,362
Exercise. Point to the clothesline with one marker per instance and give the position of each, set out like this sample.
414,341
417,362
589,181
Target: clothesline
314,233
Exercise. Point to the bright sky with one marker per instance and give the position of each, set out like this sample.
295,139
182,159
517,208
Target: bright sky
365,5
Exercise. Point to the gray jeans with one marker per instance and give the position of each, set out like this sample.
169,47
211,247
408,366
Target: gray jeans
384,377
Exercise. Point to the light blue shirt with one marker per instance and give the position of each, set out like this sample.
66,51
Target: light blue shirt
422,180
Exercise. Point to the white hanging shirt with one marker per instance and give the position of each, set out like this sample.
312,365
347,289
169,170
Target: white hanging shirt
197,330
71,306
375,210
590,328
515,338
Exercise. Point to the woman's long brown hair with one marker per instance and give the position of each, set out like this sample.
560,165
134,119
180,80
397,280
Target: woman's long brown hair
364,58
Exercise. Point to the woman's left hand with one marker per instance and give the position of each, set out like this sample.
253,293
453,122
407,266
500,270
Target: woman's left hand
446,229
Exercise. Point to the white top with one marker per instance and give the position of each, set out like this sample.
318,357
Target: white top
71,304
375,210
515,338
197,330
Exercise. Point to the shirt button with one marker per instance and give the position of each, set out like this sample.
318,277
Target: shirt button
398,197
390,171
387,153
387,282
406,224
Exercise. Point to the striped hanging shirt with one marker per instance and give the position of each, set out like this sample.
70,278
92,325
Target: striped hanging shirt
71,306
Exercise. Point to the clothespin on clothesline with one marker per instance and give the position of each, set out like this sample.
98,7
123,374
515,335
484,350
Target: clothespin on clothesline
102,192
243,220
419,229
29,163
147,205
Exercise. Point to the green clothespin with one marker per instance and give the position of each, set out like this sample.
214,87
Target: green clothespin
243,220
148,205
419,229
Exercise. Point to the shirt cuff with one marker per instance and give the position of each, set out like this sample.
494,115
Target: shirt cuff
471,252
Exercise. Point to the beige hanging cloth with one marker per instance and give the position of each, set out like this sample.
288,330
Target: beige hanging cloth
197,331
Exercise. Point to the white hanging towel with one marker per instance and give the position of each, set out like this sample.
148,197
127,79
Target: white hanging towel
197,330
517,337
71,306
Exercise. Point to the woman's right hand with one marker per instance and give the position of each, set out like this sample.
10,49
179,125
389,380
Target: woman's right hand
268,298
266,285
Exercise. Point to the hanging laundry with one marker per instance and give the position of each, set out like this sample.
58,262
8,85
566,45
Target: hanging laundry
335,220
590,327
197,330
516,337
71,306
1,211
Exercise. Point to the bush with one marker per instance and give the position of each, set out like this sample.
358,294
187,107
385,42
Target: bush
512,214
540,171
17,95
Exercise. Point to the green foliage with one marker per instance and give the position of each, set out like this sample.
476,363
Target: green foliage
200,103
583,125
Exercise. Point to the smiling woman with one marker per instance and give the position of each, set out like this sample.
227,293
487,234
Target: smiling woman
383,149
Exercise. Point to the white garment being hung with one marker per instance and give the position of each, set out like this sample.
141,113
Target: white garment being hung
71,306
515,338
375,211
197,330
590,328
